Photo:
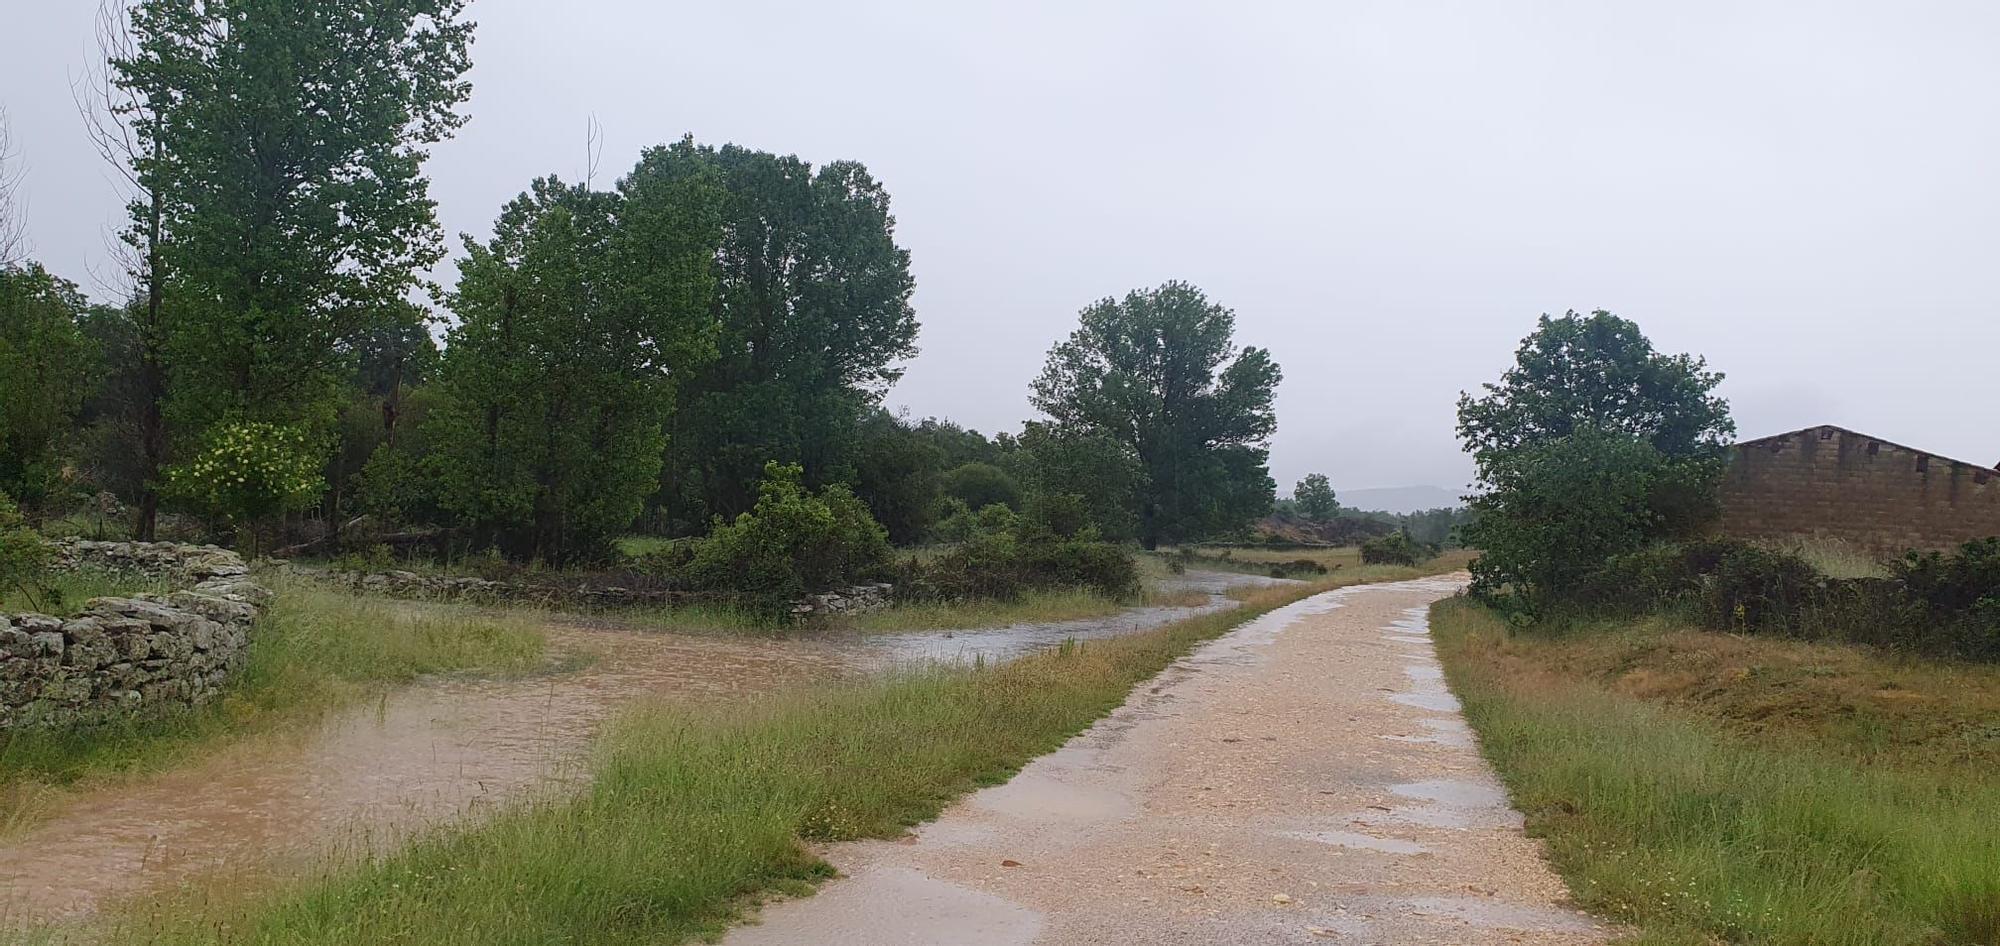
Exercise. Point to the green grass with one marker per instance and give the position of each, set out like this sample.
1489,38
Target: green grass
694,813
63,593
634,546
314,649
1664,808
1257,560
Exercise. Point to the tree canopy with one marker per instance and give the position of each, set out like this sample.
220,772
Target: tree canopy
812,311
1598,372
1159,371
1314,494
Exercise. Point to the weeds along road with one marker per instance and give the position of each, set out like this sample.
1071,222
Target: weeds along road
438,752
1307,777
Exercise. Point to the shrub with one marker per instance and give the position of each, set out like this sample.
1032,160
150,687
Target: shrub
1296,568
794,542
1396,548
23,555
248,470
979,485
1002,564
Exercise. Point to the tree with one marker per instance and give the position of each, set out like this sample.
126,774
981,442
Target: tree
1102,472
13,230
1598,372
575,321
46,370
283,146
1555,510
979,485
813,306
1159,372
1592,445
1314,495
896,473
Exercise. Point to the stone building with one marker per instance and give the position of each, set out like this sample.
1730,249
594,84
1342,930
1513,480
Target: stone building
1832,483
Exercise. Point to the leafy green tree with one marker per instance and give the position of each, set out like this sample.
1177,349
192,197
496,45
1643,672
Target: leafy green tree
1315,499
283,145
896,473
1103,473
813,305
1598,372
46,370
575,321
979,485
1554,511
1160,372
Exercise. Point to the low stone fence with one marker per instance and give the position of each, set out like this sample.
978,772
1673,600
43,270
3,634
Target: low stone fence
121,657
551,593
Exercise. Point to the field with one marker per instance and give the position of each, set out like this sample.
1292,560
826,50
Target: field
1257,559
1706,788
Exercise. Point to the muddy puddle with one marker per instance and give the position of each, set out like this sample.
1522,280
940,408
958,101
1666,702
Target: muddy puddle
445,750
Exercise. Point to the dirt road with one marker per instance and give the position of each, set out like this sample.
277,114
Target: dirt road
1306,779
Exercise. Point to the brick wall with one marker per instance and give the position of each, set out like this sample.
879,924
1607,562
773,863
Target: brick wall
1826,482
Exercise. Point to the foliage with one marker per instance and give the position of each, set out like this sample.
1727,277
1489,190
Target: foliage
794,542
813,307
1592,446
1159,372
1934,603
1002,555
46,370
251,470
23,555
979,485
286,142
575,321
1597,372
1103,472
896,471
1315,499
1396,548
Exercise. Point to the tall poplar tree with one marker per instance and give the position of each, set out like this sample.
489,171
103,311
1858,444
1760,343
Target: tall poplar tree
1159,372
282,147
812,306
576,321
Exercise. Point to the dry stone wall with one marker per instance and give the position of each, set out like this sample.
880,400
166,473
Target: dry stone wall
407,584
1832,483
123,657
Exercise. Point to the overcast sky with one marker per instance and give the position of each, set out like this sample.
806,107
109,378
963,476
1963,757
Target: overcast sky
1386,193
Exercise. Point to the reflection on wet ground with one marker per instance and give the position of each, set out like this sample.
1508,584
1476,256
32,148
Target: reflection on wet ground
449,748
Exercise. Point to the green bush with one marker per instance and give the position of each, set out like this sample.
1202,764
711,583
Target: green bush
1296,568
1396,548
1937,603
979,485
793,543
23,555
1004,563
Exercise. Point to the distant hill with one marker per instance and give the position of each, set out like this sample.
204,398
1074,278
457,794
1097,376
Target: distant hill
1401,499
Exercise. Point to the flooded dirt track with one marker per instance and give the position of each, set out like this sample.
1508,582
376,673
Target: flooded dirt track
444,750
1305,778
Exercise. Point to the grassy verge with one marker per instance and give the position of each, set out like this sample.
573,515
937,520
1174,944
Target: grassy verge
313,650
693,813
1708,789
63,593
